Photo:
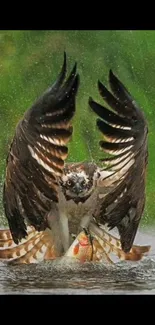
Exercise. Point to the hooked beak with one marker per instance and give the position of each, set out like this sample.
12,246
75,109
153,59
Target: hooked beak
77,188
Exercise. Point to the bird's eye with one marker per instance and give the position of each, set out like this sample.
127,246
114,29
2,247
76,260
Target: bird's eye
83,183
69,183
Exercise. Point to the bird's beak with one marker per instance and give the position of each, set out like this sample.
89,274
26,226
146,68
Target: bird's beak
77,188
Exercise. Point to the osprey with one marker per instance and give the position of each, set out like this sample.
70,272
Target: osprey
47,200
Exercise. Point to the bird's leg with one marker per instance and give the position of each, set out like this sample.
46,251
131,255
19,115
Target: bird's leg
53,219
87,233
90,237
84,225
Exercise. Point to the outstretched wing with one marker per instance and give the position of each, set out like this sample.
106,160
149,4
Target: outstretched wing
37,154
125,131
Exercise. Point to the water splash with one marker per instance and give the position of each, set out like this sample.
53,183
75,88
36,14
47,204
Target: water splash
72,277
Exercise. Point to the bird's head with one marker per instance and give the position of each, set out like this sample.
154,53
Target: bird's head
77,182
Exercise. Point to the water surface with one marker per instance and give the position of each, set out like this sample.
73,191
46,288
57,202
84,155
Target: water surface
61,277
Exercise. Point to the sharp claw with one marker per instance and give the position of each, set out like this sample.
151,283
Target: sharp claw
86,231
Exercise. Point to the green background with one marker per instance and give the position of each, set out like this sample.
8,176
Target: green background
31,60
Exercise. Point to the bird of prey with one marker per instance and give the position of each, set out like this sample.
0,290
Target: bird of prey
48,202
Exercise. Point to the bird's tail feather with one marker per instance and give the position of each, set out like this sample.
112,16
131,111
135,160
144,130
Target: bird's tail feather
6,240
38,246
111,246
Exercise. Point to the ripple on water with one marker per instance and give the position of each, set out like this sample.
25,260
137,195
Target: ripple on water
61,277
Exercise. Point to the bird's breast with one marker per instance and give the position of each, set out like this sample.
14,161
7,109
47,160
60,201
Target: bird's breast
75,212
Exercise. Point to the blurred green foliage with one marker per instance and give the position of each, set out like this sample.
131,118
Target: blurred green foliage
31,60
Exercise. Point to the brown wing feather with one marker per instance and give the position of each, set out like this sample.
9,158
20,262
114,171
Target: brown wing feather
125,131
36,157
